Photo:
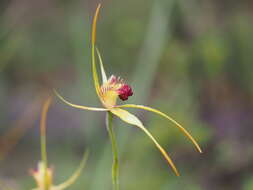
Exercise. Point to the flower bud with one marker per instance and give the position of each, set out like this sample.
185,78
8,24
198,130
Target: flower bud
43,176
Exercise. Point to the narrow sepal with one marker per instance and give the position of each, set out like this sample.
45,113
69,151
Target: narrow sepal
186,133
133,120
103,73
78,106
93,42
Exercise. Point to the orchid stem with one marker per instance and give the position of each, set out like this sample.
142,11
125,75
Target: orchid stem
43,141
115,165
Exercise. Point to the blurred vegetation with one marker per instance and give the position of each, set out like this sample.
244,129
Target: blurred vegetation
192,59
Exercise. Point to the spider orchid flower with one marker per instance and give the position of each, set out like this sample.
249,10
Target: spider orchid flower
44,175
113,88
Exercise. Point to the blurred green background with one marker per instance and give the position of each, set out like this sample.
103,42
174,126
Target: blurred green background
191,59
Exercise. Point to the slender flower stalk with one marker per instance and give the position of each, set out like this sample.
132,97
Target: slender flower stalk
43,144
44,175
108,93
115,165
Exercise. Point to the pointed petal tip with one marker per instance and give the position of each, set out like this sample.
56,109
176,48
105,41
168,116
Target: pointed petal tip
173,167
95,23
198,148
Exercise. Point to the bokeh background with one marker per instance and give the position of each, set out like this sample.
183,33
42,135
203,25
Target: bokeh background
192,59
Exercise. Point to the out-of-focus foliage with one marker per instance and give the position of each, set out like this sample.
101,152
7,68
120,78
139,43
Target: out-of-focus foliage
192,59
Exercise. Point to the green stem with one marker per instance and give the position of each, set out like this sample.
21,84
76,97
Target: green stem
43,150
115,165
43,141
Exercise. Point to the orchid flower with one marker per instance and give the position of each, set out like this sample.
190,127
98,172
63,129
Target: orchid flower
108,93
44,175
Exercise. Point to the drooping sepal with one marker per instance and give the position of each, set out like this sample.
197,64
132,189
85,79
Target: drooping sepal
133,120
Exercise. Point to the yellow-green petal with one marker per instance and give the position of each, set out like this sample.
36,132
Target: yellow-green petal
78,106
104,77
186,133
76,174
133,120
93,41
